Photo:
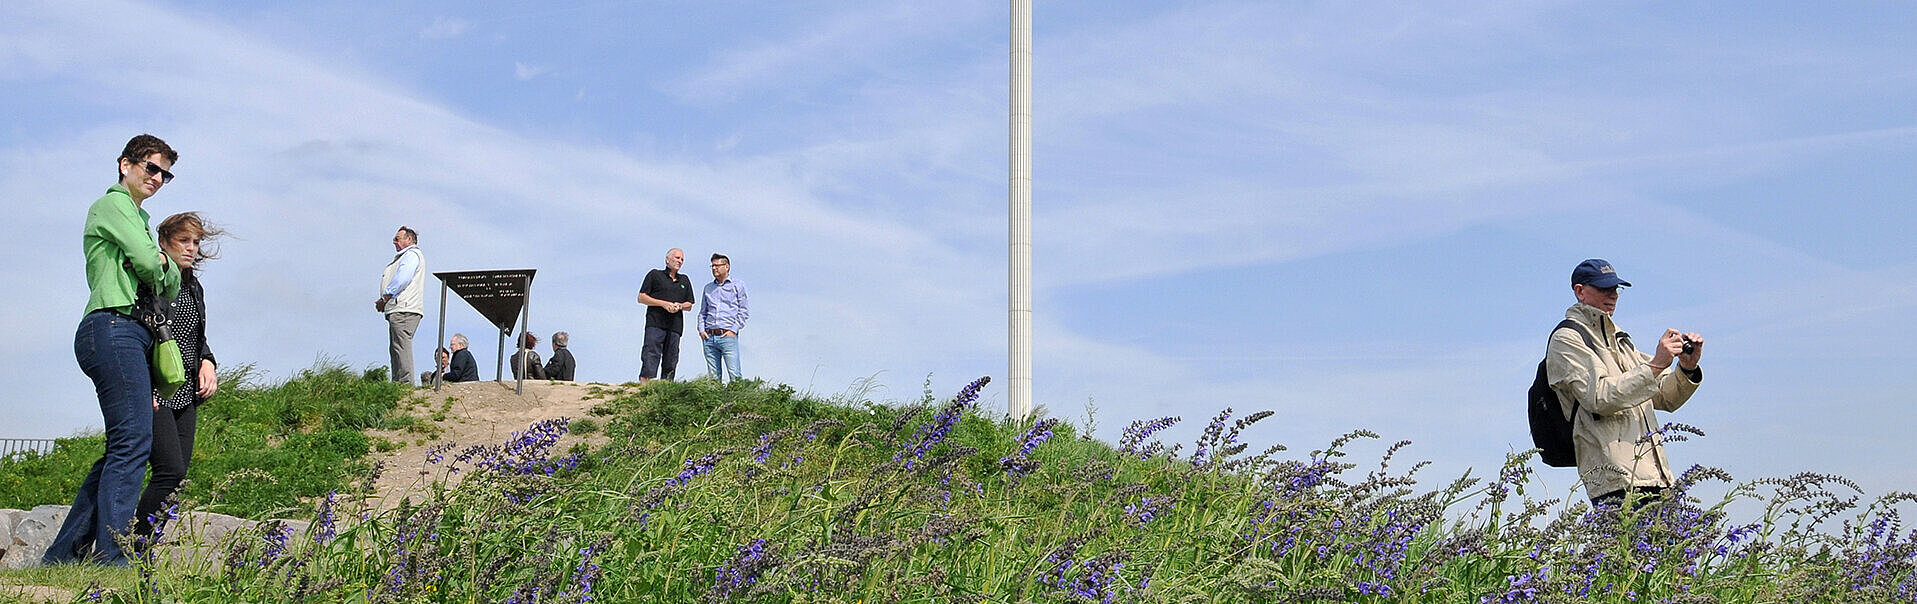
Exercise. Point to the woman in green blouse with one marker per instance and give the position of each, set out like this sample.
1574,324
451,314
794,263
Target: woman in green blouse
123,264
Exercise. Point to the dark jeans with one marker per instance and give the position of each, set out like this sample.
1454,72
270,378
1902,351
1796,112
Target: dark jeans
172,451
660,357
112,350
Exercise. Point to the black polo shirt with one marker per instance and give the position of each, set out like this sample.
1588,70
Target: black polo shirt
666,289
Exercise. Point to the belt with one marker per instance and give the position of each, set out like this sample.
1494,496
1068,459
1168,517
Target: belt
716,332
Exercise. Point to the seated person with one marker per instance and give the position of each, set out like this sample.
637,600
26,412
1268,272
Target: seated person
561,366
462,368
441,358
535,367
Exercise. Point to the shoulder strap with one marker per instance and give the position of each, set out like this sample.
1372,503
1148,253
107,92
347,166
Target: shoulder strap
1588,343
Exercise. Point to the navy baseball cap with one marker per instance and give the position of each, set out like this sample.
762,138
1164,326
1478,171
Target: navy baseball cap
1596,273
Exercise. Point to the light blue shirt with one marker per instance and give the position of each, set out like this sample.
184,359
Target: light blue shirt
403,276
724,307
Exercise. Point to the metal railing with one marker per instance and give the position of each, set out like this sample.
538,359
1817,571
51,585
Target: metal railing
21,447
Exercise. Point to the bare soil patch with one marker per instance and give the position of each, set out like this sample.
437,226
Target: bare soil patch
470,414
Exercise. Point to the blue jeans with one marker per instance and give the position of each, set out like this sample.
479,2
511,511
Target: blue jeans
112,350
726,349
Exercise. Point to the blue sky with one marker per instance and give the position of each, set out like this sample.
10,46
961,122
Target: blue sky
1358,215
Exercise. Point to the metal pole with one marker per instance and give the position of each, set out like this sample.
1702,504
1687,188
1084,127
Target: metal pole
439,374
1020,286
525,327
499,365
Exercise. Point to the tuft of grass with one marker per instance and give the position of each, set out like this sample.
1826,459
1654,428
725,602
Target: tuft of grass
585,425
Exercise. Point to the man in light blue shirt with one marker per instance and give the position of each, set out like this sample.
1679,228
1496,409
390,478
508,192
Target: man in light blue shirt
721,318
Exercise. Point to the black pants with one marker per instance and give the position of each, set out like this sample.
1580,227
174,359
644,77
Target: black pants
172,451
660,357
1645,496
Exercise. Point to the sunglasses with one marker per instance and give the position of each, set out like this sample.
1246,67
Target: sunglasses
152,168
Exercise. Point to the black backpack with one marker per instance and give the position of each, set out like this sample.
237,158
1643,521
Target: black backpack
1549,430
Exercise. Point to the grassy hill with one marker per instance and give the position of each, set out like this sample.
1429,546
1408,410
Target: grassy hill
748,492
259,451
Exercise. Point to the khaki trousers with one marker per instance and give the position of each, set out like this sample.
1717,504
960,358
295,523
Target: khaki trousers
400,327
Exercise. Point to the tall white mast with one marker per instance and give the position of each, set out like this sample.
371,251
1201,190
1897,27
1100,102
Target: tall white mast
1020,324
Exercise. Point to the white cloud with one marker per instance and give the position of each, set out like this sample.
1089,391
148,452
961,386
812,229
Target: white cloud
444,28
825,49
525,71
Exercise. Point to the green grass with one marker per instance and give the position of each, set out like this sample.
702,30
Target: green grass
748,492
259,451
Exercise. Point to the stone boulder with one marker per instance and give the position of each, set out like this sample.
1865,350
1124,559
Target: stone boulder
32,531
6,530
25,535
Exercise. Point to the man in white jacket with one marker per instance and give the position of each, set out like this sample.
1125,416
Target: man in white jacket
402,296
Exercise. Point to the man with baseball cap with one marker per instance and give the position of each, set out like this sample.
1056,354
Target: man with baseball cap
1610,391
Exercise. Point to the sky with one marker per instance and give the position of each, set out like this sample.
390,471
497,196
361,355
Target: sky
1358,215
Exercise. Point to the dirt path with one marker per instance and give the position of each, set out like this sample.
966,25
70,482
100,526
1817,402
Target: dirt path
21,592
476,413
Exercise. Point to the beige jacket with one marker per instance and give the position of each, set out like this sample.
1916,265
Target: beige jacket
1616,390
412,299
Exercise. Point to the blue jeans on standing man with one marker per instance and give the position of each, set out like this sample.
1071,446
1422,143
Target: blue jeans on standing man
112,349
722,348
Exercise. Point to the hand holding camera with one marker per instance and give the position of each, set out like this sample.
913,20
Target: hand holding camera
1688,353
1679,347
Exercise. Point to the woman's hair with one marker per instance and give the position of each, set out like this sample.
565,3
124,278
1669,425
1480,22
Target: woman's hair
142,146
191,224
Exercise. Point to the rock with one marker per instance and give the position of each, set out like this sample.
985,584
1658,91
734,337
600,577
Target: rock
24,536
210,529
6,530
203,527
32,533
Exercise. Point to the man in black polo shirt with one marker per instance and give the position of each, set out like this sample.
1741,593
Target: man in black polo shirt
667,294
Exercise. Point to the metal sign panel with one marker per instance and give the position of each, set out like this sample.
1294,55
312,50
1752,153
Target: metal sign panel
497,295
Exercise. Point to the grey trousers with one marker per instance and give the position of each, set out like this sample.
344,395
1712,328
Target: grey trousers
400,326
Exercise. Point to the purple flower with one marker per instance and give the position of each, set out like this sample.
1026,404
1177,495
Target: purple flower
1138,431
1149,508
737,576
1019,464
325,528
693,468
930,435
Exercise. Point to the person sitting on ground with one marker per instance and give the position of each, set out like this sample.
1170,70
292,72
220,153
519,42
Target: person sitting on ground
462,368
561,367
527,357
441,358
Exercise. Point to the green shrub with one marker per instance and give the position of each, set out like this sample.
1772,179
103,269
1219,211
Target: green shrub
52,479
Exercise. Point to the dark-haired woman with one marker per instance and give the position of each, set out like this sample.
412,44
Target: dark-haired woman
122,262
181,236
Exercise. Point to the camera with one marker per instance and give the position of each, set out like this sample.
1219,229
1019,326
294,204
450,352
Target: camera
1689,346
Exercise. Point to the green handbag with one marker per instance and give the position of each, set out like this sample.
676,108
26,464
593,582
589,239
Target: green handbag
167,364
169,368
